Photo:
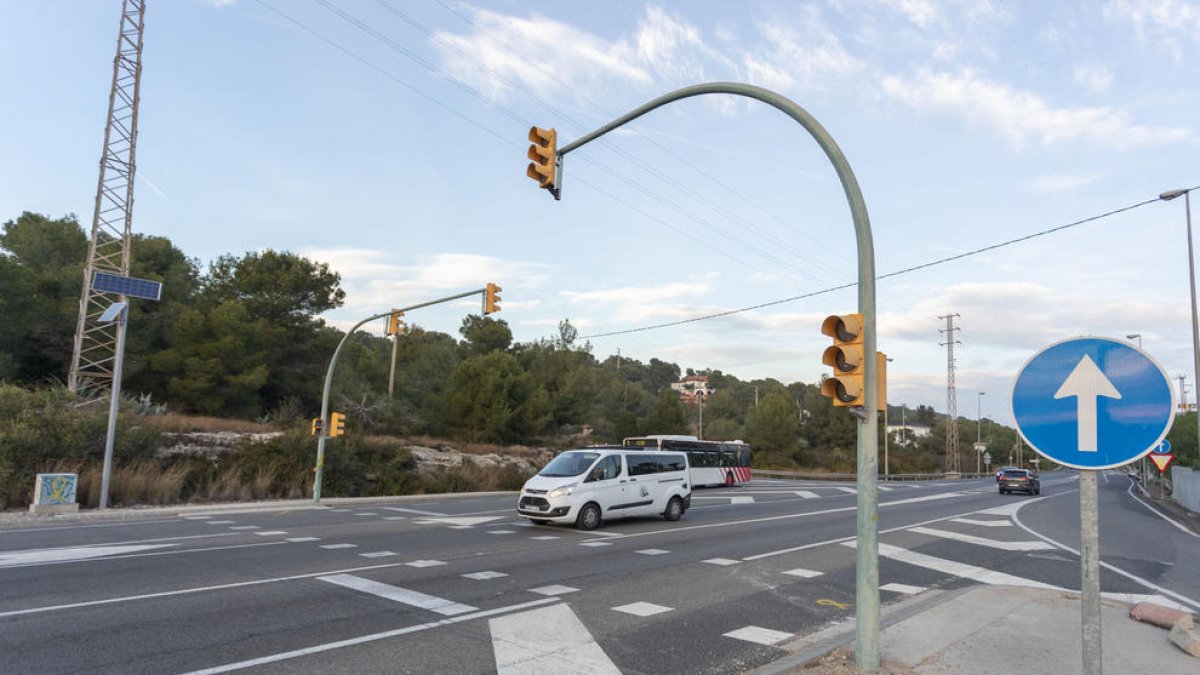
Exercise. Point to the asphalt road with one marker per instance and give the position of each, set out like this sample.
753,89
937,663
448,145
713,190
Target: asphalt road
461,585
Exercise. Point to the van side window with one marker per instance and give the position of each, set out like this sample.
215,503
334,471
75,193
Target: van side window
641,465
607,468
671,463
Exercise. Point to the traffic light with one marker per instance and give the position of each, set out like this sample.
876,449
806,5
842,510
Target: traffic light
491,299
317,426
544,155
337,424
395,326
881,360
845,355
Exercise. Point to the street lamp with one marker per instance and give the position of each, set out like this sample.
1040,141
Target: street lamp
1187,201
1135,335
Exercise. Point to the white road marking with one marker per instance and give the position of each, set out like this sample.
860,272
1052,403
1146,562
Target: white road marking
502,531
1159,513
403,595
48,555
271,533
981,541
332,547
594,544
761,636
1006,510
196,517
642,609
850,490
483,576
884,489
418,512
957,569
424,563
803,573
218,522
983,523
458,527
555,590
741,500
298,540
379,554
366,514
721,561
902,588
545,537
472,520
547,640
329,646
652,551
197,589
395,517
807,495
239,527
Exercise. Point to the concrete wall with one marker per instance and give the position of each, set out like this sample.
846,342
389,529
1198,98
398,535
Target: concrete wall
1185,487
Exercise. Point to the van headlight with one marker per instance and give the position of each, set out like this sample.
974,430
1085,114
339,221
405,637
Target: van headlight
563,491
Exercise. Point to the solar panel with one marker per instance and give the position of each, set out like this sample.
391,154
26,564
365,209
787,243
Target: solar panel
127,286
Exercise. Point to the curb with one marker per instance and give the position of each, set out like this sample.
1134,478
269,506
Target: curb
140,513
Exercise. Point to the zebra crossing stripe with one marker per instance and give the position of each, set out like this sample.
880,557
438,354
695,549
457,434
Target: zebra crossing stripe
547,640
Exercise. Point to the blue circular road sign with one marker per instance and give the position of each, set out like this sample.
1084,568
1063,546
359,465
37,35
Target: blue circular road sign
1093,403
1163,448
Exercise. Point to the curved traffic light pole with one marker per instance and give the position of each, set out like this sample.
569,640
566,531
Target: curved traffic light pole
866,649
319,471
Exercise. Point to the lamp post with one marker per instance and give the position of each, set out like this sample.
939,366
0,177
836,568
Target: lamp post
1187,201
1135,335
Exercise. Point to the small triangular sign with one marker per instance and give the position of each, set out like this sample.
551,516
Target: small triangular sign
1162,461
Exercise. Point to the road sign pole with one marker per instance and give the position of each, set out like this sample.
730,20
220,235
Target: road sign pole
1089,572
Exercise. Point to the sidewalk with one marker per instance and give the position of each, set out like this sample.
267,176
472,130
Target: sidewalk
990,630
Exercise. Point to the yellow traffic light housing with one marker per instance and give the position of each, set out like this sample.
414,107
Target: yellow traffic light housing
317,426
395,326
845,356
544,164
337,424
881,360
491,299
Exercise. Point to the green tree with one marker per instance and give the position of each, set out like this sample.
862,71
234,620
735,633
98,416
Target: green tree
42,270
279,287
484,335
668,416
491,399
774,424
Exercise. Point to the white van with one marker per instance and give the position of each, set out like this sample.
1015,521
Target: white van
590,485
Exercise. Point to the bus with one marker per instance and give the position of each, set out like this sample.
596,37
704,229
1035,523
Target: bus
712,462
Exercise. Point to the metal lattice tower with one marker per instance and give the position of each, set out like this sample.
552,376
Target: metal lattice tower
108,247
953,465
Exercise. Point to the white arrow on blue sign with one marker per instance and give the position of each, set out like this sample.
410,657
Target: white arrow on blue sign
1163,448
1093,403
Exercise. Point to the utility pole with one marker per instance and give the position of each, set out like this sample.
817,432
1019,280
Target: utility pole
952,459
94,354
1183,391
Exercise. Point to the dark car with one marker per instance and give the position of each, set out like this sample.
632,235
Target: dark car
1019,480
1000,473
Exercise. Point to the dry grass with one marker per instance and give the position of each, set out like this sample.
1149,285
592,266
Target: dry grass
469,448
178,423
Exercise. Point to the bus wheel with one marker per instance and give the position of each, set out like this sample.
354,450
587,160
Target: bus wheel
589,517
729,479
674,509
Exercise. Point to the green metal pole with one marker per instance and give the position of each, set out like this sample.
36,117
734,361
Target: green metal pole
320,468
866,646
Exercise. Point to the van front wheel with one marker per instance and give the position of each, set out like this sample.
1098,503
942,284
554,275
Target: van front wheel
589,517
674,509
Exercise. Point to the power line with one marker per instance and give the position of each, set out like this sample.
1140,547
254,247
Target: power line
889,275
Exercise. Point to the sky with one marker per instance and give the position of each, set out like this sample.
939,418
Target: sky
388,138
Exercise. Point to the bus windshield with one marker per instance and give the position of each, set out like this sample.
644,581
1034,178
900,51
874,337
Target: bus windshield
712,462
569,464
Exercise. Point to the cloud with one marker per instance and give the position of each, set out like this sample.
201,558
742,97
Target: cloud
1096,78
1169,23
661,49
802,56
372,280
1063,182
1022,116
645,304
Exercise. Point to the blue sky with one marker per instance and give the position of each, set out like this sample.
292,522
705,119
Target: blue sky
398,157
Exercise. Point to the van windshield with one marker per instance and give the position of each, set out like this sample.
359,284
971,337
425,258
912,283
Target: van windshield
569,464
